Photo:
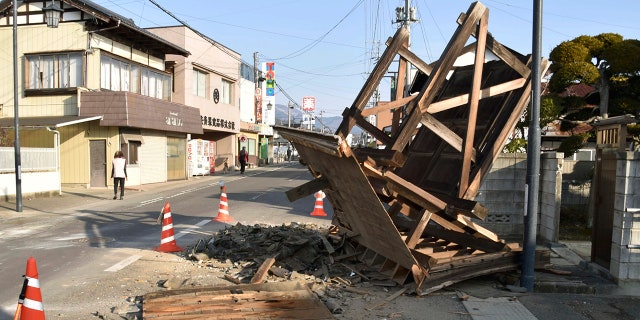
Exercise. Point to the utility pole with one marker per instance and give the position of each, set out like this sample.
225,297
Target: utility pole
533,157
289,114
406,16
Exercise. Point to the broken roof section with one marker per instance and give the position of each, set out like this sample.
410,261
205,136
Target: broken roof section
409,206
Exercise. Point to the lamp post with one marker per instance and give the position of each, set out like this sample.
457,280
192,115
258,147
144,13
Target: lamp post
52,16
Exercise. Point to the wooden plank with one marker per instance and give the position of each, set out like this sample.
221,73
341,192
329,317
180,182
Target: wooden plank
263,270
468,149
282,300
307,189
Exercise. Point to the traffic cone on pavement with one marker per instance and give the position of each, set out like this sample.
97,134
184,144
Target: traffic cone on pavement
223,210
30,307
167,239
318,210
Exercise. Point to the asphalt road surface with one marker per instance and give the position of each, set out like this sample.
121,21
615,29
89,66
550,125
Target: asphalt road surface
77,237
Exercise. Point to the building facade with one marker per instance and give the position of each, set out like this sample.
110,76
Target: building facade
92,86
209,80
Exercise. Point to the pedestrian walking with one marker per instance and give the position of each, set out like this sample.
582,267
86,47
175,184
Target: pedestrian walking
243,157
119,174
288,154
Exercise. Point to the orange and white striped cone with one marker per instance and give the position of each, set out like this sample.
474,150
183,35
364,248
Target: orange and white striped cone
223,210
318,209
167,238
32,308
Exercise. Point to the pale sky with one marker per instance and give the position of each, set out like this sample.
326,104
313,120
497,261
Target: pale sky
327,48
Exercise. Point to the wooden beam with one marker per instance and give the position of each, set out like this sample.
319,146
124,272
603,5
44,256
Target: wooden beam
405,53
444,132
492,154
479,231
384,106
380,157
374,79
503,53
371,129
438,76
307,189
466,240
263,270
484,93
416,233
468,150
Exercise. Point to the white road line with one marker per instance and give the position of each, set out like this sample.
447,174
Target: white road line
122,264
197,225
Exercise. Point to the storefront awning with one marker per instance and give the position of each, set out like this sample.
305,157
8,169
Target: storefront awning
46,122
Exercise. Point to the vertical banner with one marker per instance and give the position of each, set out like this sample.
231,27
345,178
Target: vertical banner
270,75
268,94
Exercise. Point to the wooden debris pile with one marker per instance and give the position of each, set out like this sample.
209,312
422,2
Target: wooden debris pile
295,251
409,203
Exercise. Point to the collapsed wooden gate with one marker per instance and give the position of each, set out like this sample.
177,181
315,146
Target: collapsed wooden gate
410,205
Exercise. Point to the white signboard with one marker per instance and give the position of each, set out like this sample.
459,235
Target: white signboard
308,103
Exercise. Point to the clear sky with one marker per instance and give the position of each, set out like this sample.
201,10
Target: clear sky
327,48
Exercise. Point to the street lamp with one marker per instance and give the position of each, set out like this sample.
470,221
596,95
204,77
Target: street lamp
52,16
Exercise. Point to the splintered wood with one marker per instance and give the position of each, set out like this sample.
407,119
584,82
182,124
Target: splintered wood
282,300
409,203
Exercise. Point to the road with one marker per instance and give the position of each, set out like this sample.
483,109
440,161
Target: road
82,243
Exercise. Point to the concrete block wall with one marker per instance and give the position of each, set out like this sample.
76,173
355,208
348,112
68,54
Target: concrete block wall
503,194
625,245
550,196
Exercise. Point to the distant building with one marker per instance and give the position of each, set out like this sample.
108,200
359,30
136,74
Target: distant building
92,86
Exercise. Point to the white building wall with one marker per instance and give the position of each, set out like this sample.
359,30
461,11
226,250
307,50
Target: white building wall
153,168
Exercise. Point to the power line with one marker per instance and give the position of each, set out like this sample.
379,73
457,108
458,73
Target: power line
317,41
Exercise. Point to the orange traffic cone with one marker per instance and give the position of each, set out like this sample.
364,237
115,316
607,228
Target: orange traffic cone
167,239
318,210
30,306
223,211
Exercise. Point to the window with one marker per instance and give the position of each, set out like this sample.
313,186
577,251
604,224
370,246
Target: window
199,83
117,75
226,94
131,151
54,71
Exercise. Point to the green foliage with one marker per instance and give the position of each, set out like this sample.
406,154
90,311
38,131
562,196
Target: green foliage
6,138
572,144
572,103
624,105
623,57
567,53
572,73
549,110
517,145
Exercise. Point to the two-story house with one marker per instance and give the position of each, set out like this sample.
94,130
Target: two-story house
92,86
208,79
